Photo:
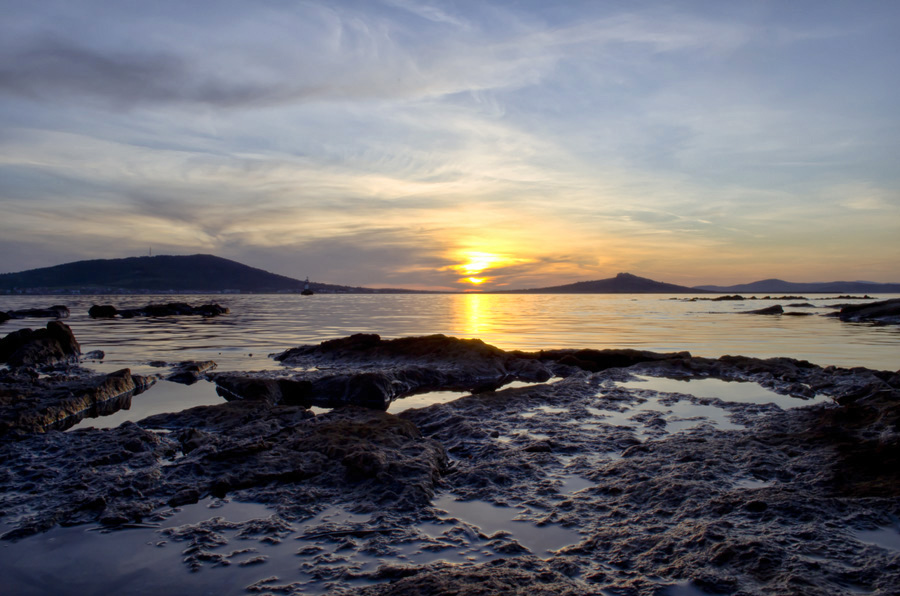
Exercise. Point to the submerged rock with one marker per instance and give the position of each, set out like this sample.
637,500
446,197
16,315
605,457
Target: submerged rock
770,310
59,311
107,311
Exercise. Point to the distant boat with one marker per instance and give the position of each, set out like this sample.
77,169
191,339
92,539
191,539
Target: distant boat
306,291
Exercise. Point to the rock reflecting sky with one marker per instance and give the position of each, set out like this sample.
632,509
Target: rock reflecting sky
448,144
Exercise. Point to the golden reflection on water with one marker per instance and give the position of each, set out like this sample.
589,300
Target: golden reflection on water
474,314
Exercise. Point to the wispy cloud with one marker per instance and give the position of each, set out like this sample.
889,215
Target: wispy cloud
374,142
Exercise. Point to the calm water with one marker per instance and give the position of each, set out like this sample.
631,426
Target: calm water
259,325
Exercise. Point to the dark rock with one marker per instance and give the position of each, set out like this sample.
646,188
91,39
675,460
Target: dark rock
105,311
366,370
158,310
598,360
273,454
519,575
59,311
189,372
47,346
38,406
887,311
771,310
728,297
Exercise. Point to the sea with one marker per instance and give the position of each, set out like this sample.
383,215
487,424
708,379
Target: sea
259,325
78,560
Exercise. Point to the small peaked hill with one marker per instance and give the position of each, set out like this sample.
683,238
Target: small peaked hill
623,283
784,287
163,273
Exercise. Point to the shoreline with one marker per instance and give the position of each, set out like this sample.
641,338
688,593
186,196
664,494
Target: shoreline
643,489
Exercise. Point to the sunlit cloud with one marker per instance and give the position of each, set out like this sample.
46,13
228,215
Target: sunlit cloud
451,146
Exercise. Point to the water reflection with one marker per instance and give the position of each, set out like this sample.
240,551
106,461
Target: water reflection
264,324
474,313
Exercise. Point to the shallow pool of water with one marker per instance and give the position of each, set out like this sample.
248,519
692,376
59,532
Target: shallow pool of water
887,538
733,391
163,397
490,518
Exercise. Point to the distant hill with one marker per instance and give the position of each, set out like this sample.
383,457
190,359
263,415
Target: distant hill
194,273
623,283
780,286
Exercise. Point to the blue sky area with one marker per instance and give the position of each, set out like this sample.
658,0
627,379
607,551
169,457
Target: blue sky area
456,145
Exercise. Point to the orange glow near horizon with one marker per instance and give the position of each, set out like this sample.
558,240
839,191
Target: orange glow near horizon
476,262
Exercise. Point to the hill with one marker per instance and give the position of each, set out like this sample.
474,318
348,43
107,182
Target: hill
623,283
163,273
781,287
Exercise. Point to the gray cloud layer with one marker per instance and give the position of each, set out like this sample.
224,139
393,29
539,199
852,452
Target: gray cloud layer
365,142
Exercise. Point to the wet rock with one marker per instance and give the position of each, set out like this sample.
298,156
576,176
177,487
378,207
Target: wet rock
368,371
59,311
885,311
728,297
770,310
56,343
597,360
157,310
102,311
481,359
189,372
768,508
280,455
521,575
35,406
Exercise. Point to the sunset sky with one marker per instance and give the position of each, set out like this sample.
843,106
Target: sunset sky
455,145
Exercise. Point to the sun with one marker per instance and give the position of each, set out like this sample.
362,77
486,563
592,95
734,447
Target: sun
478,262
475,266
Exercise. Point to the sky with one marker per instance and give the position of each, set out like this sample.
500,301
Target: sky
456,145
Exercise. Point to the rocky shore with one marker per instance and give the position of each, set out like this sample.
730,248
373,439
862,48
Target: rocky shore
654,491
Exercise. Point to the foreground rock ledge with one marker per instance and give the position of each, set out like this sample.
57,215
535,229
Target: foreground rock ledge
369,371
771,508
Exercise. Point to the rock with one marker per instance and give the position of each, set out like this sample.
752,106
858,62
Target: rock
280,455
59,311
366,370
38,405
43,347
770,310
4,317
885,311
158,310
189,372
597,360
105,311
729,297
774,506
514,575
